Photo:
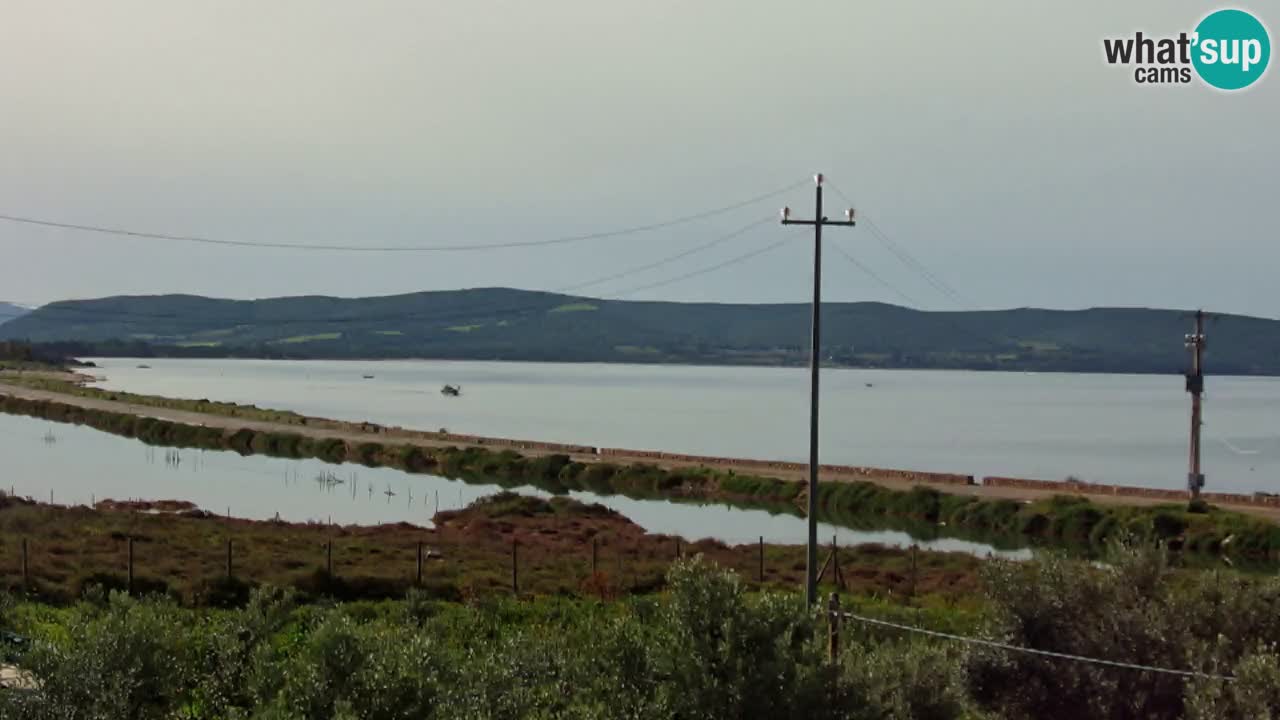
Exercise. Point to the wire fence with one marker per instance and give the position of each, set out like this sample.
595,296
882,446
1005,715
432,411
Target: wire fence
835,616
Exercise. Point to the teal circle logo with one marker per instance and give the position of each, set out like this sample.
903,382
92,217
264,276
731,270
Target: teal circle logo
1231,49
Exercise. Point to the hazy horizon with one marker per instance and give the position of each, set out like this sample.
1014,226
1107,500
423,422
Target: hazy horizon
990,140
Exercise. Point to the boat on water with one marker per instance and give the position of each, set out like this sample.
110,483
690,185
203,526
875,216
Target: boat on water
144,367
451,390
368,377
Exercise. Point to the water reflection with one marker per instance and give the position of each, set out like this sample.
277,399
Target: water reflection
79,465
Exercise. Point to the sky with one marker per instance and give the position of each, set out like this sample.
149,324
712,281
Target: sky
990,140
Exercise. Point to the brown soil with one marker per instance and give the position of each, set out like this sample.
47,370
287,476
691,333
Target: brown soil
468,553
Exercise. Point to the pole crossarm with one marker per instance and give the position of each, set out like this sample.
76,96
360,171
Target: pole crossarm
825,221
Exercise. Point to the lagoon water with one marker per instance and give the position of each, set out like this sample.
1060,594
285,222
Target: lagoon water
77,465
1124,429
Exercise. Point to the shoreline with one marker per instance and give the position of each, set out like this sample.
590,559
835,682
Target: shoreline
1172,374
989,487
1020,511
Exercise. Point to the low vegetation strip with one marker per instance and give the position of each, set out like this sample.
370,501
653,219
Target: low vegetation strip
1077,487
708,646
1068,520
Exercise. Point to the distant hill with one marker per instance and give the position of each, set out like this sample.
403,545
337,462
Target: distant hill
506,324
9,311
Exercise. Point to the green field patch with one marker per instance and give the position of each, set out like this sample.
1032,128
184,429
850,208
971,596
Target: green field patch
636,349
198,343
221,332
307,338
388,332
1040,346
142,336
574,307
463,328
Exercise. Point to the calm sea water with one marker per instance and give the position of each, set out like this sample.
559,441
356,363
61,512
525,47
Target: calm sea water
78,465
1125,429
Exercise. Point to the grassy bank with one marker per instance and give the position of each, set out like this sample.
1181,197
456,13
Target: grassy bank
1067,521
209,407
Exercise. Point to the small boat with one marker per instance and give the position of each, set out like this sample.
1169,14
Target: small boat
368,377
451,390
144,367
870,385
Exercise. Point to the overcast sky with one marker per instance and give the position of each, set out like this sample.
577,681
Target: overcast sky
989,139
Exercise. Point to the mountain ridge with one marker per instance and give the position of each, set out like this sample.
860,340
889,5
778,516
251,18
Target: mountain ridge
511,324
9,311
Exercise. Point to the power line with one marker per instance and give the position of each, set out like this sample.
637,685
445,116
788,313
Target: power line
874,276
463,313
1033,651
667,260
403,248
727,263
907,259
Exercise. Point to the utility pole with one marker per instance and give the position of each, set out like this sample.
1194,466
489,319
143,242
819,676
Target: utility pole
1195,386
815,360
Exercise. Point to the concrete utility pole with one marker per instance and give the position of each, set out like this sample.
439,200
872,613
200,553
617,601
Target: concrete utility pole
815,360
1195,386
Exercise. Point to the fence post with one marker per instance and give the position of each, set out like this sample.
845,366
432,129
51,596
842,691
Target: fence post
328,557
913,574
515,567
761,559
677,548
837,576
595,551
833,628
418,579
229,573
129,586
26,579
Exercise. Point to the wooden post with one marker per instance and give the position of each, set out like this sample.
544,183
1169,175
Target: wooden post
833,628
229,574
761,559
913,574
595,552
26,578
823,572
328,557
515,567
838,577
129,587
418,579
677,548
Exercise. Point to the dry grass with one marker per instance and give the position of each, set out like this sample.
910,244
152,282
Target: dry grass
468,554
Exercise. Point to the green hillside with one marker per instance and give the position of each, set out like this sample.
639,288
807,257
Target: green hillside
501,323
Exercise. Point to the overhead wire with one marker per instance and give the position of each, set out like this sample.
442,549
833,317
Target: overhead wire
1032,651
875,276
467,312
904,256
701,215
